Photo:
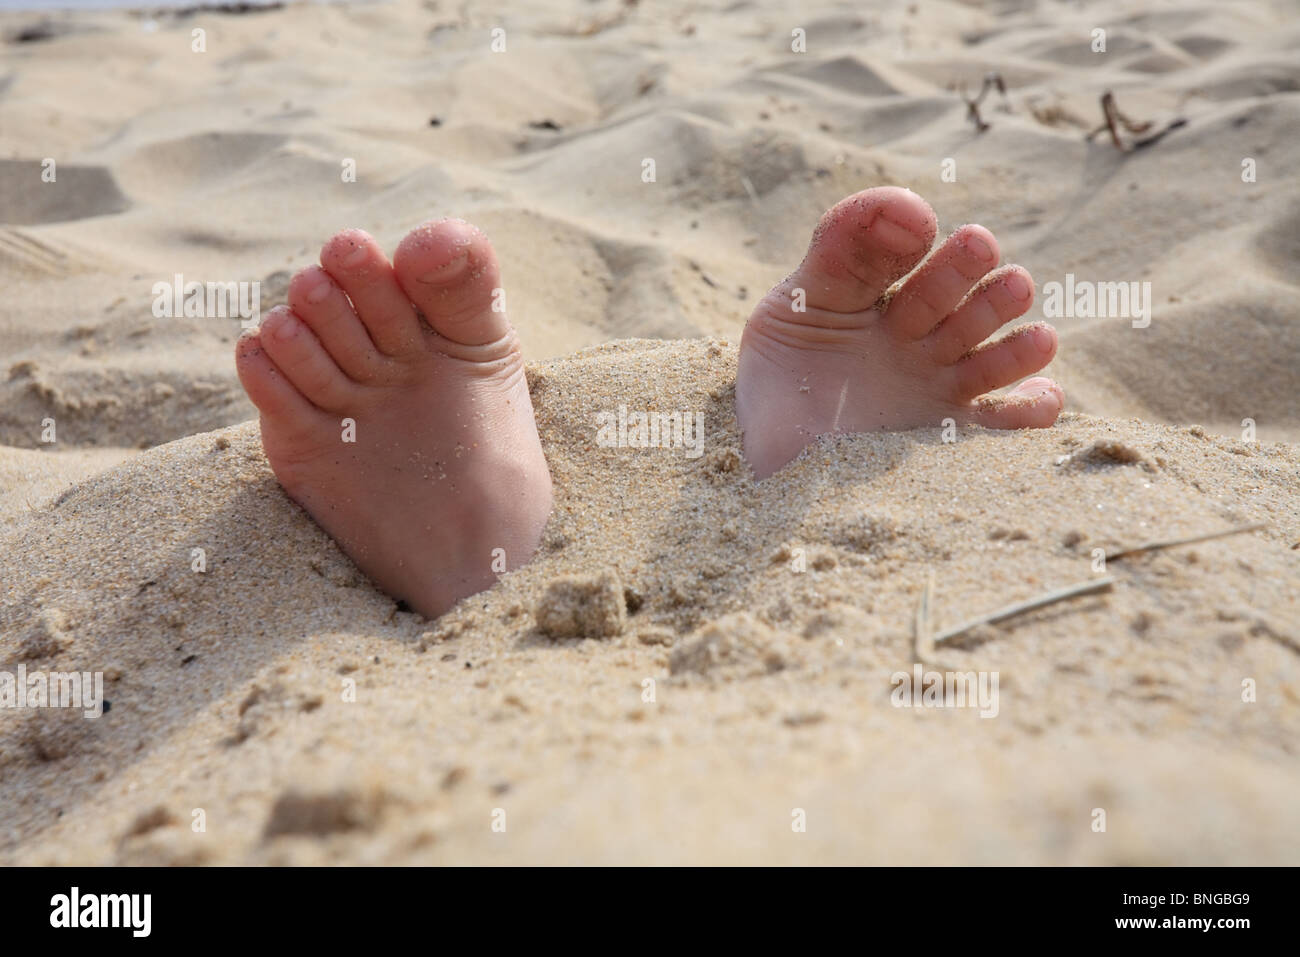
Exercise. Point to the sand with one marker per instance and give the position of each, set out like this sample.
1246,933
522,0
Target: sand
696,668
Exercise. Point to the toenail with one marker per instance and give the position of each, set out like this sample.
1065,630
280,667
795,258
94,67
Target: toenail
897,236
978,247
449,270
285,326
319,291
1018,285
357,256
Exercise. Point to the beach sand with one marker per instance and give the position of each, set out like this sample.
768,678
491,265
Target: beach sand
696,668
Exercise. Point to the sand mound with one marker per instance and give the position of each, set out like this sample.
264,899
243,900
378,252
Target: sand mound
310,719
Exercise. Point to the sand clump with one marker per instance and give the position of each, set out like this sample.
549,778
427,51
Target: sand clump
576,607
1104,452
734,645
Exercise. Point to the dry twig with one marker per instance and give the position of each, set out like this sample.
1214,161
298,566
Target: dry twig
1010,611
1188,540
1115,119
991,80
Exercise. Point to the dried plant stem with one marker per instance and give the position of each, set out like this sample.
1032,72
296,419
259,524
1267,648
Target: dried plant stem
922,641
1047,598
991,81
1189,540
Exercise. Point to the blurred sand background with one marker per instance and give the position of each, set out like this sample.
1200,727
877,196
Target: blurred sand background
770,685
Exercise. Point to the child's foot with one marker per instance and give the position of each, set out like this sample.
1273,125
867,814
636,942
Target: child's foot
850,363
443,466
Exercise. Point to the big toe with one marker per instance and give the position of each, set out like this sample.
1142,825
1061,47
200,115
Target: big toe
450,271
862,245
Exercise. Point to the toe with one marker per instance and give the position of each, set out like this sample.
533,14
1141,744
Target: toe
861,246
1004,295
268,388
355,261
449,270
936,289
1001,363
317,300
1034,404
297,352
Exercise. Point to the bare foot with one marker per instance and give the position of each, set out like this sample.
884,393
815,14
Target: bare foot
822,354
444,465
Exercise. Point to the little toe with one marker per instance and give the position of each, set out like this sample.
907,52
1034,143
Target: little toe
268,388
862,245
935,290
318,301
450,271
296,351
1000,363
1034,404
1002,296
355,261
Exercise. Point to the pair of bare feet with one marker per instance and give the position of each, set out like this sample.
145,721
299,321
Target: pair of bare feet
395,410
